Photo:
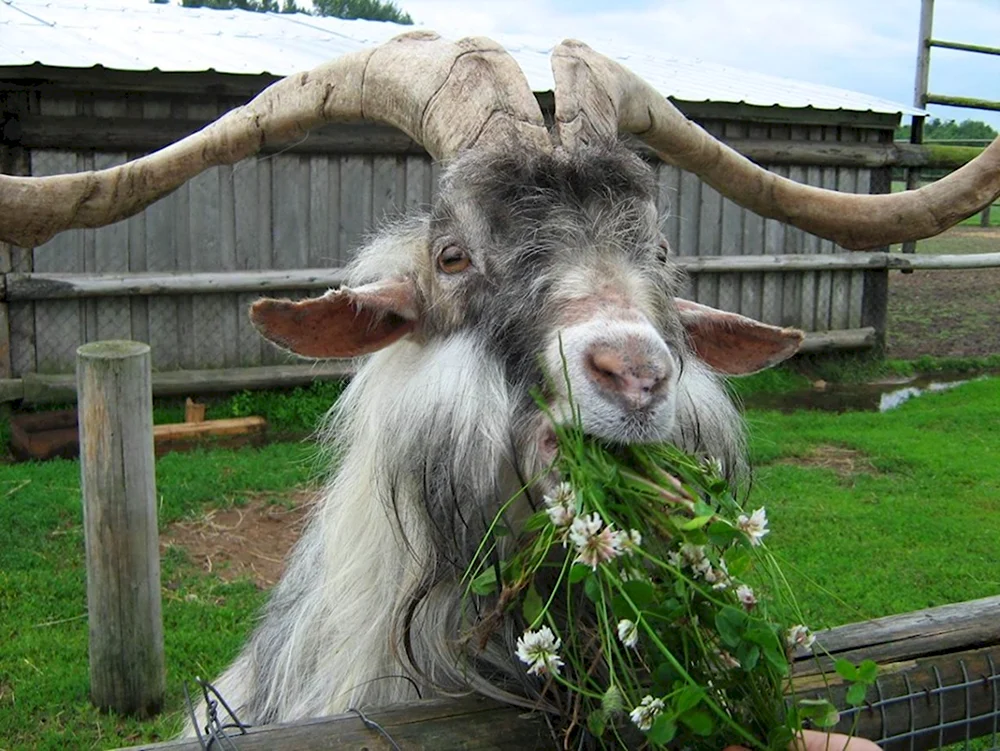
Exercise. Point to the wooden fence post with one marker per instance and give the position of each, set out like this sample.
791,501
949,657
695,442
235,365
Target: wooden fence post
127,671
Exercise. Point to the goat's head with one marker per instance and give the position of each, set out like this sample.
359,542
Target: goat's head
554,261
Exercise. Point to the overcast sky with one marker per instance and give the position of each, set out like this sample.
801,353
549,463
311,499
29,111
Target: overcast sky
864,45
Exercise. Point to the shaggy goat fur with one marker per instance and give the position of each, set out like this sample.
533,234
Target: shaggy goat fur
437,431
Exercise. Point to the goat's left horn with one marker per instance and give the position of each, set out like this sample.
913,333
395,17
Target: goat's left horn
596,98
446,96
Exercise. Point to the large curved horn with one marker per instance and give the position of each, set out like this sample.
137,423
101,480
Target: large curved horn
597,97
446,96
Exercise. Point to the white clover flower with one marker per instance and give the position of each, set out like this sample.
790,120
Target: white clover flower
594,545
714,465
628,632
694,555
561,505
726,660
800,636
674,559
718,577
538,649
747,597
633,541
647,711
754,526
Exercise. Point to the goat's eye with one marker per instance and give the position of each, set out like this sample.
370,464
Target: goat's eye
453,260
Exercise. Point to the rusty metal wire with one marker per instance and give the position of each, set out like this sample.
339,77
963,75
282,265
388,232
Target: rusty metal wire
216,731
920,702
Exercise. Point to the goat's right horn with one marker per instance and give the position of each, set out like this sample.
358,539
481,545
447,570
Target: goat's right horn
446,96
596,98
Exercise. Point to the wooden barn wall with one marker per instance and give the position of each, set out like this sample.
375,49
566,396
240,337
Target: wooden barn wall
288,211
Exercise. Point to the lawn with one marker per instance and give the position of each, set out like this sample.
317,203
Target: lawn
870,513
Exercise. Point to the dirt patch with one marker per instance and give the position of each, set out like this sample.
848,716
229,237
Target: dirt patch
947,313
844,462
249,540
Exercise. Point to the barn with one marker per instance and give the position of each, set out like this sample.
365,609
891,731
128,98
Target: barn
90,85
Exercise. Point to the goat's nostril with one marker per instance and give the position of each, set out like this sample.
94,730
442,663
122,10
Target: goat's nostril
637,380
606,363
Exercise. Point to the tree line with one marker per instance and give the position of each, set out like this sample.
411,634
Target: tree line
372,10
937,129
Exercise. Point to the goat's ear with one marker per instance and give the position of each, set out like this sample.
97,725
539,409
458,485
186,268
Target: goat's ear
343,322
735,344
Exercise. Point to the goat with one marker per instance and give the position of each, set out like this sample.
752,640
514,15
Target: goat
539,269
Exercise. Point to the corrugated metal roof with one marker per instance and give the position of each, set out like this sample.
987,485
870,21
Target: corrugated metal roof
140,35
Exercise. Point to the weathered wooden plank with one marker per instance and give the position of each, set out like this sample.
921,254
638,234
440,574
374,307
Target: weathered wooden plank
113,317
418,183
841,283
206,343
117,482
355,203
184,322
839,262
731,235
774,242
246,200
709,243
905,636
830,341
291,203
13,161
388,189
824,280
687,217
51,286
467,723
230,314
162,239
139,306
229,426
40,389
752,285
811,245
317,229
669,204
58,326
856,296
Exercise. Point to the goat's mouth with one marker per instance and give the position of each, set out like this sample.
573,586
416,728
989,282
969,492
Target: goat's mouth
638,426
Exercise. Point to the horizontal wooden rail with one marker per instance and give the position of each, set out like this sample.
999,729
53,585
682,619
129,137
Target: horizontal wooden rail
34,388
468,723
45,286
964,47
53,286
963,101
936,670
939,674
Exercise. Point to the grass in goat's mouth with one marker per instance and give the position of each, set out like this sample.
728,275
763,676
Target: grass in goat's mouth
638,621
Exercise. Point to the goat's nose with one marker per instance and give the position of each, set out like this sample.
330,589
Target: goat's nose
630,375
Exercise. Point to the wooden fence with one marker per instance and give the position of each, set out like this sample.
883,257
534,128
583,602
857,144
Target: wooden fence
938,683
311,205
182,274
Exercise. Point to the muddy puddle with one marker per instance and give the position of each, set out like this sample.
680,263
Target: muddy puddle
867,397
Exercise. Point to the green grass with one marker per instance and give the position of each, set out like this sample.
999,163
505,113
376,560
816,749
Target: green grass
43,629
917,528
